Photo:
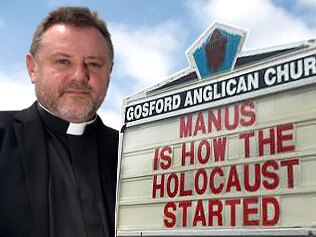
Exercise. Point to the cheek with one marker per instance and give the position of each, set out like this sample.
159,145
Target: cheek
54,80
100,84
47,76
102,89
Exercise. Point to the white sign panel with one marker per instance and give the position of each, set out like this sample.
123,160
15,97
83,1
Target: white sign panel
245,165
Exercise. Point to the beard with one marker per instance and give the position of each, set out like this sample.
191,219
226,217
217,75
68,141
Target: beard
79,108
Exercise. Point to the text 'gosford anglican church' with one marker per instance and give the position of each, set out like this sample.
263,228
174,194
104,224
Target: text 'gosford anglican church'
283,74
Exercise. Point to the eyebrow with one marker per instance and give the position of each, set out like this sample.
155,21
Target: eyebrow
96,58
58,54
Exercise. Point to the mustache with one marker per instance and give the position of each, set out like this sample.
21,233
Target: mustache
83,86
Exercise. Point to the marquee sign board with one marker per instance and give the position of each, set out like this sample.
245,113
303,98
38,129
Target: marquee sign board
277,75
230,155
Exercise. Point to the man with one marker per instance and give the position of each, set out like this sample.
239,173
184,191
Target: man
57,159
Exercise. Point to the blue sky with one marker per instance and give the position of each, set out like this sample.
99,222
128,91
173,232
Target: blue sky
149,36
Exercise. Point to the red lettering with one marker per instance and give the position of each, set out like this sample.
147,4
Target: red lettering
247,136
184,192
266,201
170,218
165,157
232,203
220,172
187,154
233,179
184,206
156,158
270,141
200,173
219,145
256,211
216,121
206,145
172,178
215,212
248,110
235,118
290,170
243,114
199,124
284,137
250,211
256,183
199,215
186,126
159,186
271,164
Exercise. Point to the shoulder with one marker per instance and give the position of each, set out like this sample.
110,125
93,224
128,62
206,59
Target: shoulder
108,140
109,133
6,118
6,126
110,136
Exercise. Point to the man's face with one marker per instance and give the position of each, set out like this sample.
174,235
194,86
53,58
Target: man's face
71,71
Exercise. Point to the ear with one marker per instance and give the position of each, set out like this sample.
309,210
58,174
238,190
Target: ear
31,66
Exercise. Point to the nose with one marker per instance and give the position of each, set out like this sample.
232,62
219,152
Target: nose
80,73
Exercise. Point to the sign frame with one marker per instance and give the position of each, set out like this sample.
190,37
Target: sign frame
246,70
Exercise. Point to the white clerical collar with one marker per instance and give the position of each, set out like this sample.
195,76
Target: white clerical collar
78,128
74,128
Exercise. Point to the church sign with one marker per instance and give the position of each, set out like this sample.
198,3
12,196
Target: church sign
287,74
232,153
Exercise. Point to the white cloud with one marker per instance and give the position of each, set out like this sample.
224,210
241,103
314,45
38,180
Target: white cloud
268,24
144,56
148,54
110,118
306,9
110,110
115,95
307,2
16,91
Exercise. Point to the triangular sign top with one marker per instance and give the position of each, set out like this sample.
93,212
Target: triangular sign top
216,50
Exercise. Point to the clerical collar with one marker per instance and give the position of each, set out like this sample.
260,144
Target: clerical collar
63,126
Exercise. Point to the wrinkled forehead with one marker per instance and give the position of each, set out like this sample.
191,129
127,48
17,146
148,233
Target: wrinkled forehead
67,37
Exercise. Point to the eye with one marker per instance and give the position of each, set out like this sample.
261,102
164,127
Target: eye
63,61
93,64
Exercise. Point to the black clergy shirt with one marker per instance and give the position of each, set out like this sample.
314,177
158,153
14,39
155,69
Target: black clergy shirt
76,205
